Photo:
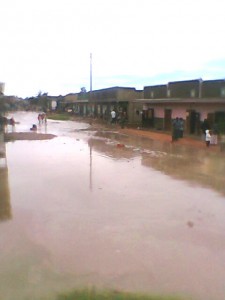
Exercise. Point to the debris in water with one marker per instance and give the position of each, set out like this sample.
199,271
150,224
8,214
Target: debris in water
190,224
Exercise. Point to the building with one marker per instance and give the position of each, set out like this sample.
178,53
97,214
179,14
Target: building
2,88
99,103
193,100
156,106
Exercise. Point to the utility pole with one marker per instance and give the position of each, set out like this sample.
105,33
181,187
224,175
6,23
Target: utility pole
90,93
90,72
200,88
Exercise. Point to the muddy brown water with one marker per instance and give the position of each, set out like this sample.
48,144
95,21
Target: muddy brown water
80,210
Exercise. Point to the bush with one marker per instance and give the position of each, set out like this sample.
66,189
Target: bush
60,117
92,294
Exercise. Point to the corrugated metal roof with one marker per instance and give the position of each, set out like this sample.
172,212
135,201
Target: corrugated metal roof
182,100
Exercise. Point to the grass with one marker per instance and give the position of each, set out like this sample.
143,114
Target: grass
92,294
59,116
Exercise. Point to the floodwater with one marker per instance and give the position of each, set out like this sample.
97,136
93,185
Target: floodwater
78,210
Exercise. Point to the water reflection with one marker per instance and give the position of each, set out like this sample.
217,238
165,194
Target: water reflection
113,149
196,166
202,169
5,207
90,143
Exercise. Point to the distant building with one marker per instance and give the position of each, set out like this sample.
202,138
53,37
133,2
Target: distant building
99,103
2,88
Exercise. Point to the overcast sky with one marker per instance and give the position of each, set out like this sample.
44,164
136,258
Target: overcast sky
46,44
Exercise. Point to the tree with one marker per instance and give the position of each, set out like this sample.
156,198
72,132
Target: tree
43,101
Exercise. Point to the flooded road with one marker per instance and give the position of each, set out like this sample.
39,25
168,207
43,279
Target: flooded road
85,211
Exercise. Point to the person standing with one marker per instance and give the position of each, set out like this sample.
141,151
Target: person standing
205,126
113,117
123,118
215,133
181,127
207,137
175,130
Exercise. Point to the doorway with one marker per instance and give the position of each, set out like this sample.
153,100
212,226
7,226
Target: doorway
193,122
167,119
148,118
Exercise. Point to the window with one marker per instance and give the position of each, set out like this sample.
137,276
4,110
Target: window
192,93
168,93
222,92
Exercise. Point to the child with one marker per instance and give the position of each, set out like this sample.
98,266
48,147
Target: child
207,137
34,127
214,137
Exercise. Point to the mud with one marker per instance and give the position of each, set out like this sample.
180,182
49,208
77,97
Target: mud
15,136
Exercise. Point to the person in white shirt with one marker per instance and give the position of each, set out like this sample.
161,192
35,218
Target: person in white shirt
113,117
207,137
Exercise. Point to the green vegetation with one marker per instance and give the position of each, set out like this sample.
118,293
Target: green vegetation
92,294
59,116
221,126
